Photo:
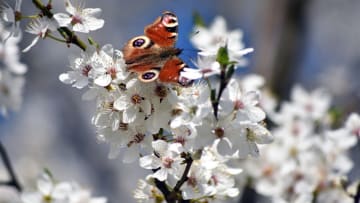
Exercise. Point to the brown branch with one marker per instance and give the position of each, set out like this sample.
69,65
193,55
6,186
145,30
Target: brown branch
184,177
174,195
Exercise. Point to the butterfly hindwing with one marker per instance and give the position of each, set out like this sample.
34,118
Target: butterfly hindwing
171,72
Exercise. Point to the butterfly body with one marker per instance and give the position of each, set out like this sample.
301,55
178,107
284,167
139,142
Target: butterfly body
153,55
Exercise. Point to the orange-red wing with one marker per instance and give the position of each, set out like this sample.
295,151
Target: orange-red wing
170,72
164,30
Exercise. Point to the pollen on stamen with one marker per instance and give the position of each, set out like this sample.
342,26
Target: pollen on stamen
181,140
112,72
138,138
108,105
85,71
238,104
161,91
219,132
176,112
136,99
250,135
75,20
214,179
167,162
123,126
191,181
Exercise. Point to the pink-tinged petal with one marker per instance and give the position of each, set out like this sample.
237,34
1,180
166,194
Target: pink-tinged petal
255,114
18,5
232,192
176,147
161,174
90,94
78,27
62,190
146,107
69,7
45,184
114,151
253,149
244,52
150,162
251,98
121,103
63,19
218,27
35,40
234,171
129,114
191,74
65,78
94,24
176,122
131,154
160,146
262,135
103,80
98,200
31,197
80,83
91,11
224,146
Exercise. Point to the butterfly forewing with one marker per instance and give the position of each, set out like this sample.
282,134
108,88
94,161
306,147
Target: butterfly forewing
164,30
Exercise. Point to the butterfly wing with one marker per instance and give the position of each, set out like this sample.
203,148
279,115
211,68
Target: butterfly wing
153,56
171,72
164,30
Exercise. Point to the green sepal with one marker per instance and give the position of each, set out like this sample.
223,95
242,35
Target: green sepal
223,56
93,43
198,20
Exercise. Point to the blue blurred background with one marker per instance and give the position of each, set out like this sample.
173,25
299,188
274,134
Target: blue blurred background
311,42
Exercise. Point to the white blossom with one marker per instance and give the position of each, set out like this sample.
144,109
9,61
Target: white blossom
80,18
11,88
166,157
209,40
39,27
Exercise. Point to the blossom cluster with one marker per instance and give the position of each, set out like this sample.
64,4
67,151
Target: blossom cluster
308,159
163,126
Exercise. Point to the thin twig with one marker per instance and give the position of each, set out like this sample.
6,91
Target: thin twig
13,180
223,84
184,177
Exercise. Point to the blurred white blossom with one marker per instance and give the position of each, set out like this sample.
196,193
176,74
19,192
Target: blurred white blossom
10,15
48,190
306,156
11,72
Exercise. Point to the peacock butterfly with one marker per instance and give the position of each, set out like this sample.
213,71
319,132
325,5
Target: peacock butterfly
153,55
